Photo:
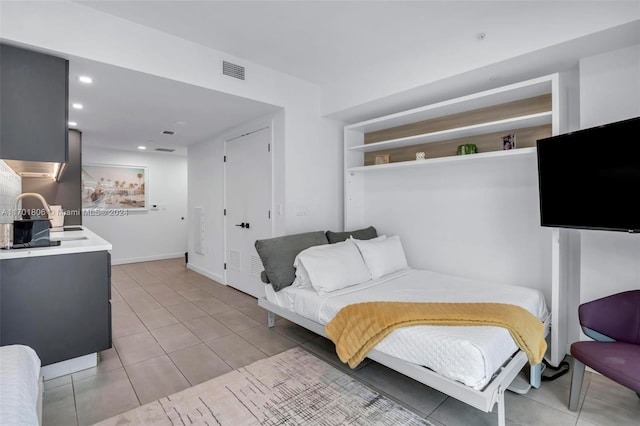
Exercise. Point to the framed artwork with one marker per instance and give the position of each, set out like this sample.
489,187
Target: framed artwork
107,186
381,159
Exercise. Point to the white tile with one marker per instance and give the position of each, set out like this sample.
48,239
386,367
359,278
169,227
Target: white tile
59,406
599,412
156,378
415,395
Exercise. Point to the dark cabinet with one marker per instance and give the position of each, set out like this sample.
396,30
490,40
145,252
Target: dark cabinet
34,103
58,305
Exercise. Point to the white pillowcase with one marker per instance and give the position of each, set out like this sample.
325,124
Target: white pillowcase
302,279
384,256
333,266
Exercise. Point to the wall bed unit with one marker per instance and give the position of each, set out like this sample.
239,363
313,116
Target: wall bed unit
531,109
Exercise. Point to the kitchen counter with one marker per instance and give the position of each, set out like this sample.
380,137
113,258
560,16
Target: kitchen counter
80,241
56,300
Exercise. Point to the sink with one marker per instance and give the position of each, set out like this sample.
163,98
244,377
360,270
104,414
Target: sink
69,238
72,228
66,229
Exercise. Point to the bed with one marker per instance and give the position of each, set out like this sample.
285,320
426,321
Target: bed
474,364
21,386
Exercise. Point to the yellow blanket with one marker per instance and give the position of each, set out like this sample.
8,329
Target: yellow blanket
357,328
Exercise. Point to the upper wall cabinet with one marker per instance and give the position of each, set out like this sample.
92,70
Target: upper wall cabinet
33,105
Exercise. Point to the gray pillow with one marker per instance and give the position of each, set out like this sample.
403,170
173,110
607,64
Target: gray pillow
277,255
360,234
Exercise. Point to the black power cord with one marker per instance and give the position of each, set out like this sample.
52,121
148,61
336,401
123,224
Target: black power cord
561,370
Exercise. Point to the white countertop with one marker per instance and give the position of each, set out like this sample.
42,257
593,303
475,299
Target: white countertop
70,242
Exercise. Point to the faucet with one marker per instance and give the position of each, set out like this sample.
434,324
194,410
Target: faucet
39,197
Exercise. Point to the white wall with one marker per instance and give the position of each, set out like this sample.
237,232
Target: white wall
609,91
476,219
206,190
153,234
307,173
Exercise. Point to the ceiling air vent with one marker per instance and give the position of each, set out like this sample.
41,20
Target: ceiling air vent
233,70
165,149
168,132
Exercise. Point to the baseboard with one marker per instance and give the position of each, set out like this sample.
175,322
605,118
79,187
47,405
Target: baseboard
215,277
69,366
146,258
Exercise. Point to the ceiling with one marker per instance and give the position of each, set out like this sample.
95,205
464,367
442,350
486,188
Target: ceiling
317,41
324,42
124,109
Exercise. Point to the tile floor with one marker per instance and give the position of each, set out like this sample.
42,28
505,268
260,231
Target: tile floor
173,328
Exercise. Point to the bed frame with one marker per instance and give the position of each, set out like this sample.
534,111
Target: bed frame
40,399
485,399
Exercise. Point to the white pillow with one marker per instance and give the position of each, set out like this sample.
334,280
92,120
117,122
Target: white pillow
302,279
333,266
384,256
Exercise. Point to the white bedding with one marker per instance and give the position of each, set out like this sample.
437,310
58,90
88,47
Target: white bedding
19,374
467,354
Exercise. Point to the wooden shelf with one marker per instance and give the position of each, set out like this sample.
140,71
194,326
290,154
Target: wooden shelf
513,92
431,161
505,125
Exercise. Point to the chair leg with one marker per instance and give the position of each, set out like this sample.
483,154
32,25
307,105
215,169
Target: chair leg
576,384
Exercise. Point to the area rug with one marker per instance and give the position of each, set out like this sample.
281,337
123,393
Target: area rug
291,388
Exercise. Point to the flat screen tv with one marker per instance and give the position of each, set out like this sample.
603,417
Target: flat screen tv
590,179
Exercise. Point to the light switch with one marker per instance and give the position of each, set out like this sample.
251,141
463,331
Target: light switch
301,211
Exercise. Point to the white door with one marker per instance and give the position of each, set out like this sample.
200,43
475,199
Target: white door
248,208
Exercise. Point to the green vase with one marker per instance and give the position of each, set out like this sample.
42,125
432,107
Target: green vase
467,148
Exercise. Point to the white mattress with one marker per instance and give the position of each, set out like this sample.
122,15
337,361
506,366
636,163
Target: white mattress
19,374
468,354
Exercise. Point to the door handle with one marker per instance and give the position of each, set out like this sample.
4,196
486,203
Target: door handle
242,225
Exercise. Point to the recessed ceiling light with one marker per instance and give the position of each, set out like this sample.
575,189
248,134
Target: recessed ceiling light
85,79
142,147
76,106
73,123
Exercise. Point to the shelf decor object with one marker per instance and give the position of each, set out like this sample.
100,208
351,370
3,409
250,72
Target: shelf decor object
509,141
420,155
382,159
467,148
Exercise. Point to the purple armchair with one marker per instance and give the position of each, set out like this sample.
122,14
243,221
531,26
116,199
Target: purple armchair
614,324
